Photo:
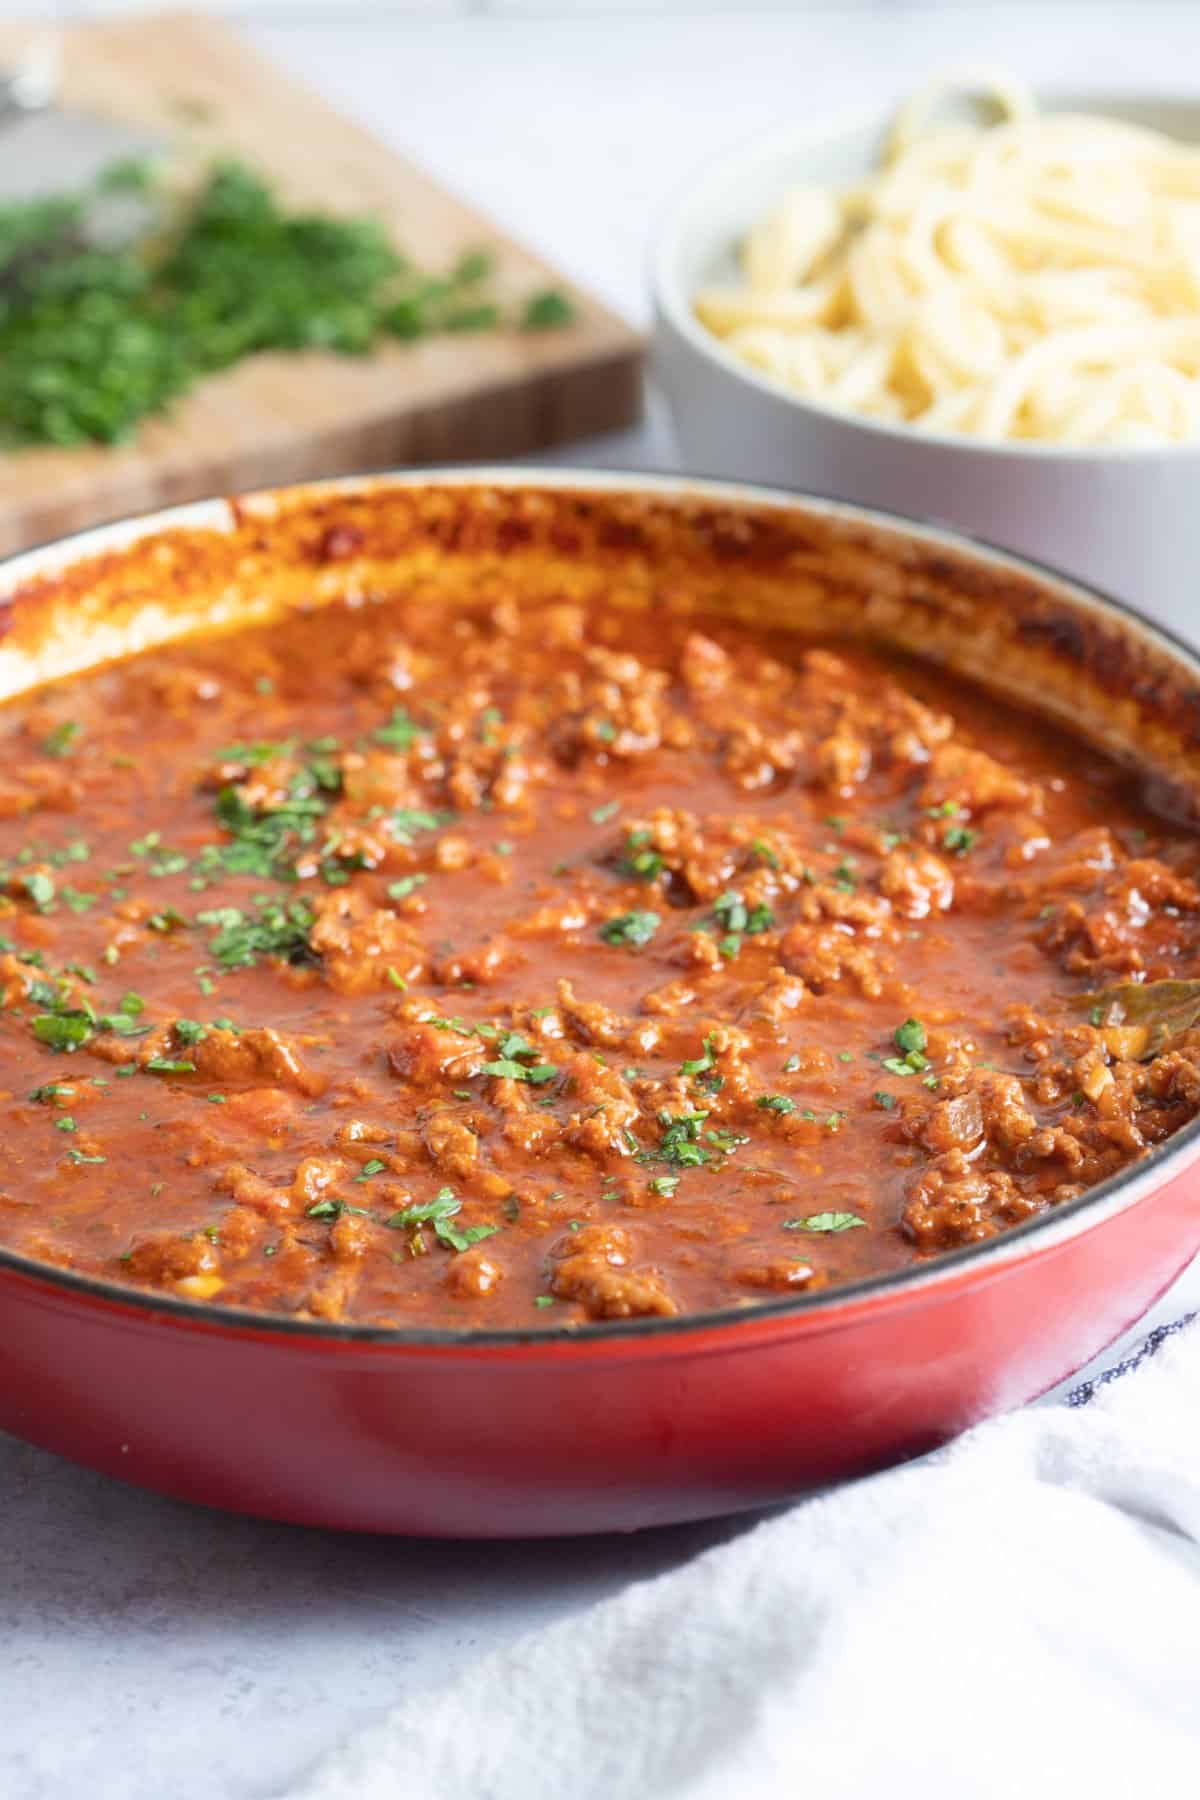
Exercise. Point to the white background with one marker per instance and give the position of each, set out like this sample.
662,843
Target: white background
250,10
153,1652
574,121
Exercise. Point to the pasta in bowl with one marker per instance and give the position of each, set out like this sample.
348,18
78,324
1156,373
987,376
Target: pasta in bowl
988,313
1037,278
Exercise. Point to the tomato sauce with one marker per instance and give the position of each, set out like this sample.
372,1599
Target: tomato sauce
509,966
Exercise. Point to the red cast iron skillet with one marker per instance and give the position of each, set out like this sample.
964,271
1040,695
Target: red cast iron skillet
613,1426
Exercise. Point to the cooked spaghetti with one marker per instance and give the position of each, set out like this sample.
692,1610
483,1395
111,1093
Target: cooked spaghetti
1037,279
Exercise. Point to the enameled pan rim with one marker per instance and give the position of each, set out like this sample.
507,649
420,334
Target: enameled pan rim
983,1261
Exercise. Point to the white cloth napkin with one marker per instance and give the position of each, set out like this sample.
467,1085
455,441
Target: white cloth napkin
1017,1615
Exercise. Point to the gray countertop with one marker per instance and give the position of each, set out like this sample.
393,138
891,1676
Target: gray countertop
158,1651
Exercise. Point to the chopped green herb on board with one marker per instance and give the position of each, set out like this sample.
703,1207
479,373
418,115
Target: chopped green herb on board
98,332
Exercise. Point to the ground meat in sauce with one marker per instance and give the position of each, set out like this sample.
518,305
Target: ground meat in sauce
405,966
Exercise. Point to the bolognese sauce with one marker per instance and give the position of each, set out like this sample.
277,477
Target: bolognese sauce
495,965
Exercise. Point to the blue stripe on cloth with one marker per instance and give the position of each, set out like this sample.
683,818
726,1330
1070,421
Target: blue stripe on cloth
1150,1346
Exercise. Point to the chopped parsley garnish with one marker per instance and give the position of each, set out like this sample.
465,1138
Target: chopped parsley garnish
506,1069
438,1212
190,1031
62,739
66,1123
264,837
373,1166
173,862
489,719
401,732
680,1140
639,861
664,1184
52,1090
959,839
168,1065
333,1209
41,890
77,1156
830,1121
167,920
886,1100
776,1103
600,815
458,1025
407,884
732,913
699,1065
725,1141
632,928
405,820
250,756
512,1064
67,1030
910,1039
281,929
825,1221
844,877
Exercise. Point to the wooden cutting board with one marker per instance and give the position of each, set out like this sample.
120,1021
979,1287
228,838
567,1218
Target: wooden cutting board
284,418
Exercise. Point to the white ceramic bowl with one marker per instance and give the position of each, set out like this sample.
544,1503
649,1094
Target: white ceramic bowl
1128,521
